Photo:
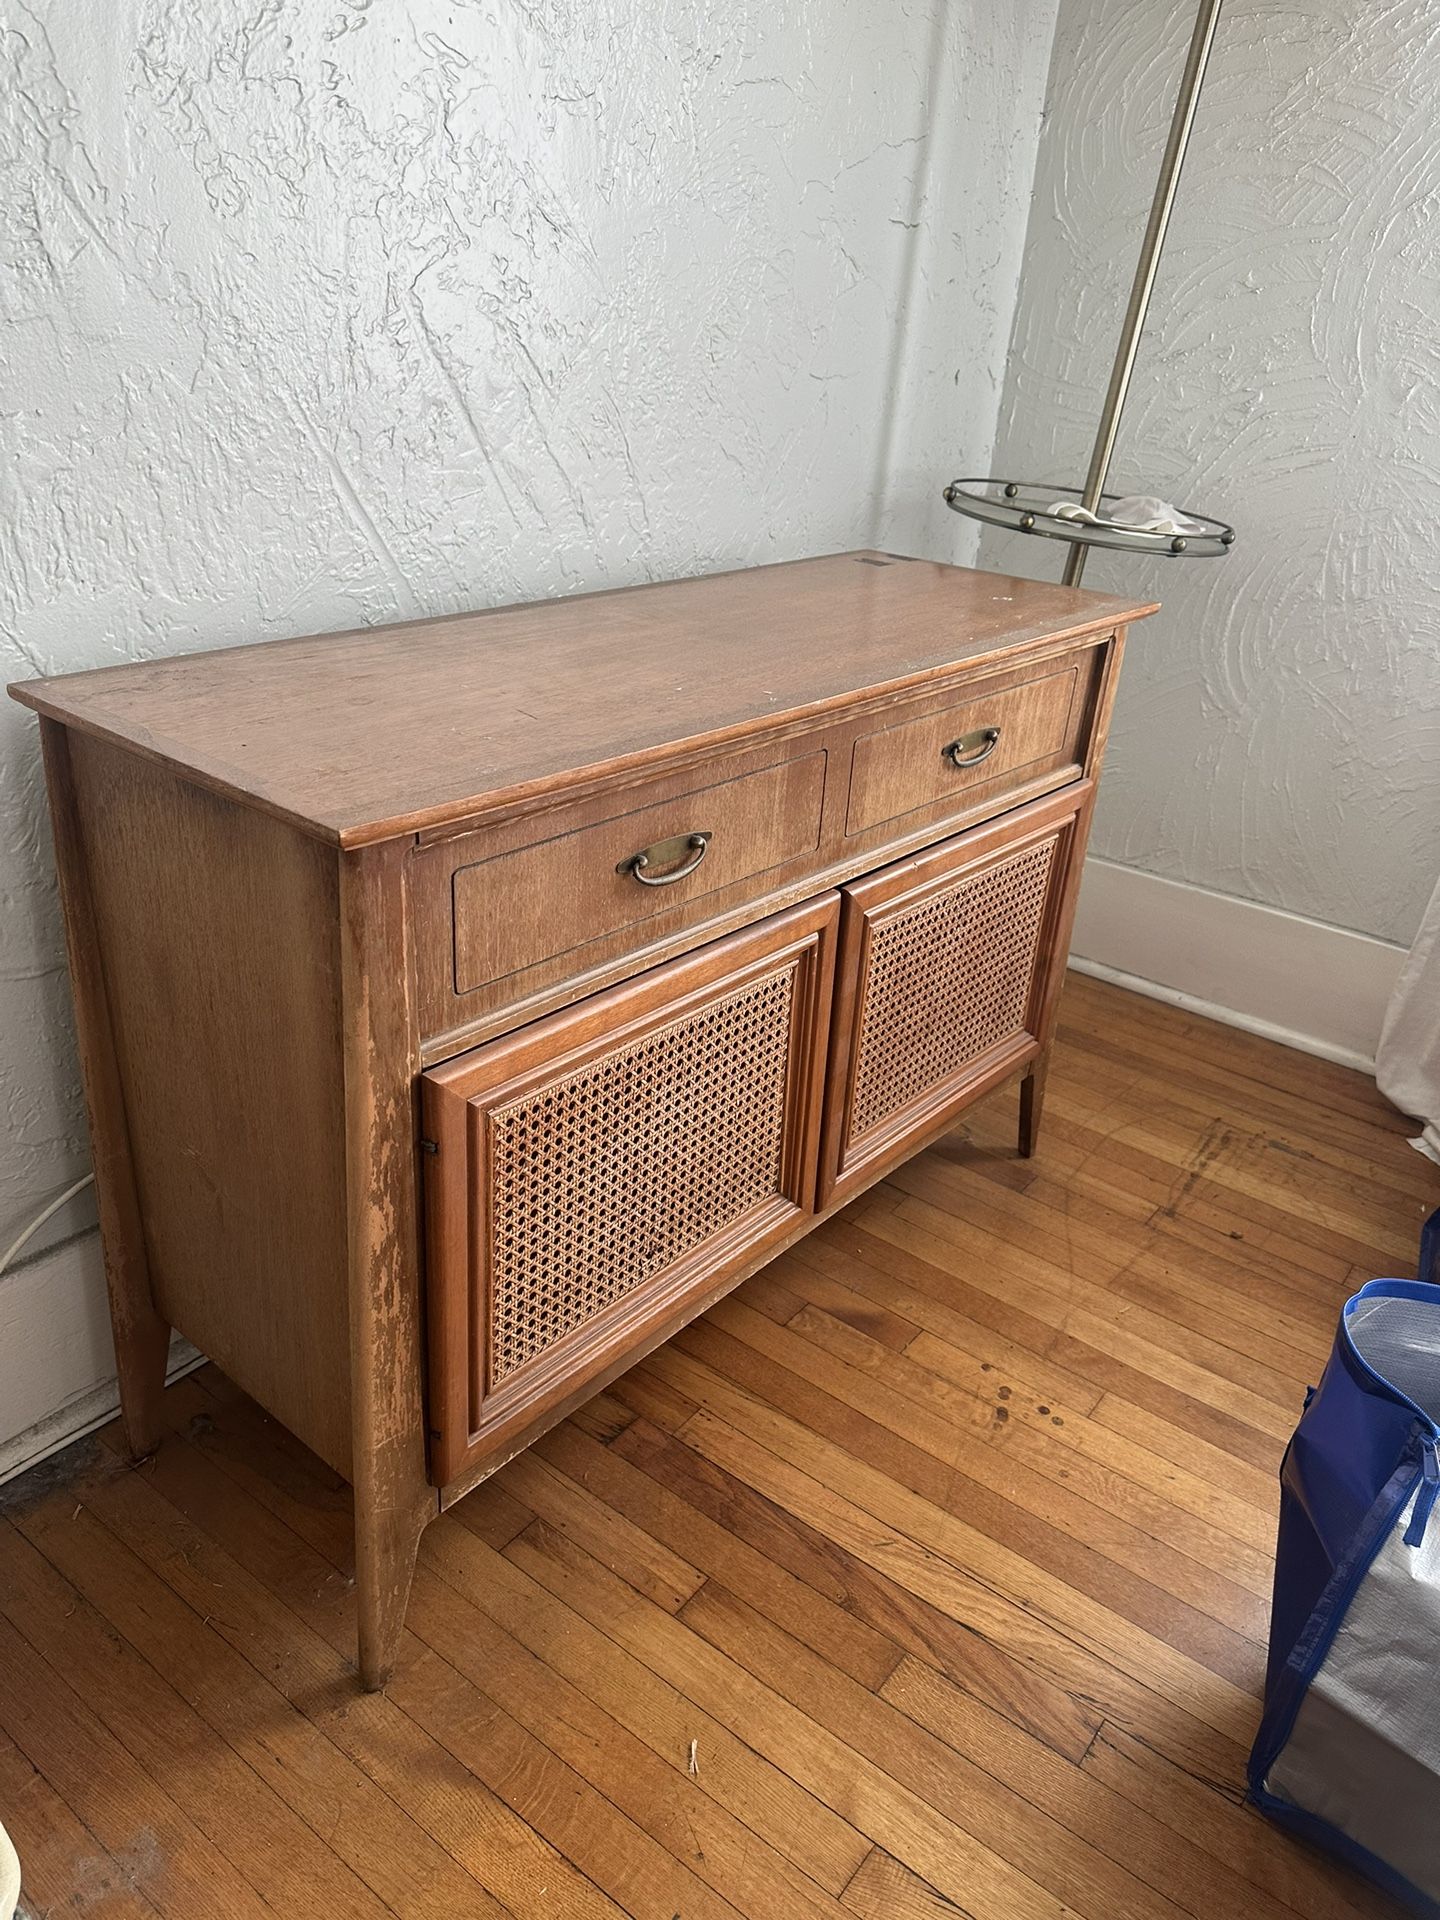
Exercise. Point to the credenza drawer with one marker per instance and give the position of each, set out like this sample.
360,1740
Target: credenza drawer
587,880
980,747
598,1174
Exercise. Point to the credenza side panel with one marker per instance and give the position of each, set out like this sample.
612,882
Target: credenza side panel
217,928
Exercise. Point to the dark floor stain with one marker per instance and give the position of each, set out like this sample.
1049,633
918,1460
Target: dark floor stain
1296,1153
1212,1146
85,1456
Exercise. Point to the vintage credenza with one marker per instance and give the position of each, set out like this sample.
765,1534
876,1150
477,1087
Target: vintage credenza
465,1005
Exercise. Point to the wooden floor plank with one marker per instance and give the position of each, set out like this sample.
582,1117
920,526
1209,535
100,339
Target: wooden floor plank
876,1804
524,1641
883,1889
841,1442
1259,1175
1134,1419
782,1814
1209,1179
924,1578
719,1546
66,1867
1219,1070
1211,1815
1350,1162
723,1865
852,1261
172,1863
1109,1246
227,1786
1044,1680
1170,1199
1099,1348
1068,1454
1199,1879
909,1623
1112,1513
977,1800
617,1543
944,1559
1197,1364
1239,1499
470,1854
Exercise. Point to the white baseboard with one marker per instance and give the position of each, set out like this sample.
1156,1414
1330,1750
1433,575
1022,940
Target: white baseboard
57,1363
1322,989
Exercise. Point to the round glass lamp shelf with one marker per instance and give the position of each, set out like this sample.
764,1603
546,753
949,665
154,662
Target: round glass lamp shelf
1026,507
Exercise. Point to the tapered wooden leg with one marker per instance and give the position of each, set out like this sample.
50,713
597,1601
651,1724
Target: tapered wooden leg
393,1496
1032,1102
387,1538
142,1338
142,1355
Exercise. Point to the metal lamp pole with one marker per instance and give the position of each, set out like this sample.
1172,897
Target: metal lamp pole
1179,139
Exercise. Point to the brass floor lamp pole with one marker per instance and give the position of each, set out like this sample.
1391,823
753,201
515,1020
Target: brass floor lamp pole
1022,506
1181,123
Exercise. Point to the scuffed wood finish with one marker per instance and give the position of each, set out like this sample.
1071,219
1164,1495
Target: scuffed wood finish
216,927
1032,1102
298,878
357,737
142,1336
946,1540
393,1497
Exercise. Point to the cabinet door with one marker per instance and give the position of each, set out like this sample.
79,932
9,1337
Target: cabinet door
602,1175
944,979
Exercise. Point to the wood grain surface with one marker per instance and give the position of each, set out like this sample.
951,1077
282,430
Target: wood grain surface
214,931
925,1576
362,736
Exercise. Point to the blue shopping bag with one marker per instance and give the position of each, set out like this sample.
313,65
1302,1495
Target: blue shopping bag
1348,1751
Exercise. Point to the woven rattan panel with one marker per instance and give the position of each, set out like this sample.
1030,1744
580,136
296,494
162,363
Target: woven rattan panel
605,1178
946,981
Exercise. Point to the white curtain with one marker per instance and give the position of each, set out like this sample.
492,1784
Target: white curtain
1407,1061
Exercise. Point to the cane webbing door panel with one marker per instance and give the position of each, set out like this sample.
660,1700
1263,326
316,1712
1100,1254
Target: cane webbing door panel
598,1174
945,962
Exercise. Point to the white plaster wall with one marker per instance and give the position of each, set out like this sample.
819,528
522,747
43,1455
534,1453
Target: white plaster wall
342,311
1277,735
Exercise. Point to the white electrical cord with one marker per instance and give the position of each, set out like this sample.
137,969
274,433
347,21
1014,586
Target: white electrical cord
40,1219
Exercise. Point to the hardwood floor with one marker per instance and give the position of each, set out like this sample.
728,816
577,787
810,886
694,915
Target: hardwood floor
927,1575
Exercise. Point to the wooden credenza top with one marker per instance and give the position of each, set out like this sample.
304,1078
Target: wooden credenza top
366,736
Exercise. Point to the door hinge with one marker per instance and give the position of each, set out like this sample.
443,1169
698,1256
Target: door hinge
429,1146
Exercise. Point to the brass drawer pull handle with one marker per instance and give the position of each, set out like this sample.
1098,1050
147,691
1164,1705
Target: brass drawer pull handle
962,752
695,845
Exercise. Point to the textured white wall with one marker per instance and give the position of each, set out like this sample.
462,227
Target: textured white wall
344,311
1278,732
